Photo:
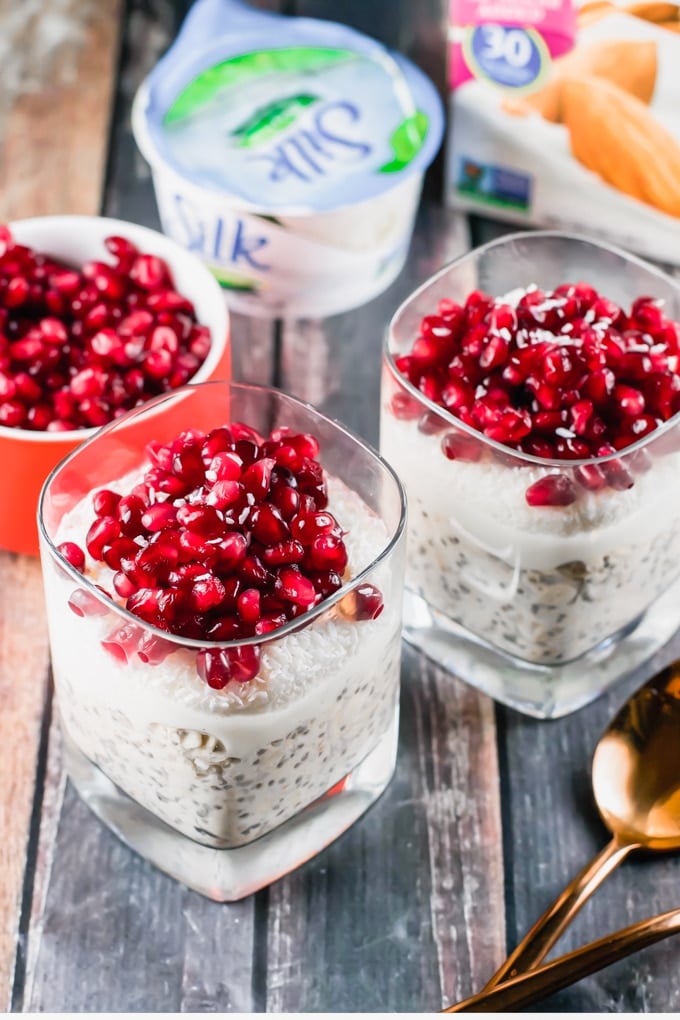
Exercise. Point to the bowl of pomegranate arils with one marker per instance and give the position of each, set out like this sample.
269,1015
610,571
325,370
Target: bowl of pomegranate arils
224,600
530,404
96,316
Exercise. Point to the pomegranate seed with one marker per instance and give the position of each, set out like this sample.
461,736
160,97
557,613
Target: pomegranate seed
159,516
295,587
130,511
268,526
122,642
327,552
551,490
74,554
220,667
363,603
257,478
149,272
84,603
102,532
206,593
248,605
105,503
282,553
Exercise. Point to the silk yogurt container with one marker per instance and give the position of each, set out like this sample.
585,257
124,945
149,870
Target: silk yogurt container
289,153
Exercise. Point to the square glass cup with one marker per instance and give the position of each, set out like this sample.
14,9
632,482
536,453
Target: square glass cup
227,790
542,607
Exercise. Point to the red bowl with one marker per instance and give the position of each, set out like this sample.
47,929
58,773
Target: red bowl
27,457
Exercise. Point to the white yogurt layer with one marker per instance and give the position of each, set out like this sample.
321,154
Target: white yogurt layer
224,767
544,584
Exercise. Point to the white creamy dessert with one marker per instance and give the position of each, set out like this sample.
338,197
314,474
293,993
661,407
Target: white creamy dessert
544,584
225,767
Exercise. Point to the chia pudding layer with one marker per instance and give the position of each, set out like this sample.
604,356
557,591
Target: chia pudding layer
542,583
225,767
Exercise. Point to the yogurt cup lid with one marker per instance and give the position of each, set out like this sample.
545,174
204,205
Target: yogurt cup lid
292,115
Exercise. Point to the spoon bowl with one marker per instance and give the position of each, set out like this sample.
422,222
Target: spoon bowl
636,766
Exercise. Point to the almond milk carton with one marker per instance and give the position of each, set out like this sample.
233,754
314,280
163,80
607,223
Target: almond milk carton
569,117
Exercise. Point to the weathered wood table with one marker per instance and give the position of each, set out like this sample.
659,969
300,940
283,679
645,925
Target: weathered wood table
489,815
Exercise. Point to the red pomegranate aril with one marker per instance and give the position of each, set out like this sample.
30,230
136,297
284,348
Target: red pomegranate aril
149,272
120,549
404,407
327,552
306,527
457,446
159,516
267,524
130,511
73,553
590,477
12,413
206,593
224,466
8,387
105,503
219,667
551,490
224,494
230,551
84,603
494,354
124,585
196,547
295,587
39,417
363,603
248,605
282,553
254,573
267,624
202,520
153,649
629,400
158,364
89,382
102,532
286,498
617,474
256,478
17,291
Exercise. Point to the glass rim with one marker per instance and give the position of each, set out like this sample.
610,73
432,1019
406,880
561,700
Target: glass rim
285,629
501,448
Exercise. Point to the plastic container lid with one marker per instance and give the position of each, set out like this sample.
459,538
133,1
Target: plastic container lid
291,115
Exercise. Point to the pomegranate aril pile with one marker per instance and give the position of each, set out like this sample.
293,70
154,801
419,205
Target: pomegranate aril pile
80,346
565,375
226,536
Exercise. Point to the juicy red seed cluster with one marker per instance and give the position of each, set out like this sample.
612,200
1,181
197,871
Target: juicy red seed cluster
227,536
565,374
79,347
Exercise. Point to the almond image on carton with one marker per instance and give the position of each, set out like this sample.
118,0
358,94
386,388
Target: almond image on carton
612,133
628,64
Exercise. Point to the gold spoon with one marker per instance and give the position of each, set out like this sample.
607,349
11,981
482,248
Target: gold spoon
552,977
636,782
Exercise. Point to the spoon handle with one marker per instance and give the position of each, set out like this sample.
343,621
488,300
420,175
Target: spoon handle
541,938
566,970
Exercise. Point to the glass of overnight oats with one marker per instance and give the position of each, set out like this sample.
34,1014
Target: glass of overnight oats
530,406
223,571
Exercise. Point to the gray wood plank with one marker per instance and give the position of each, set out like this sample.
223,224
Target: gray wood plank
334,363
382,921
143,942
431,848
